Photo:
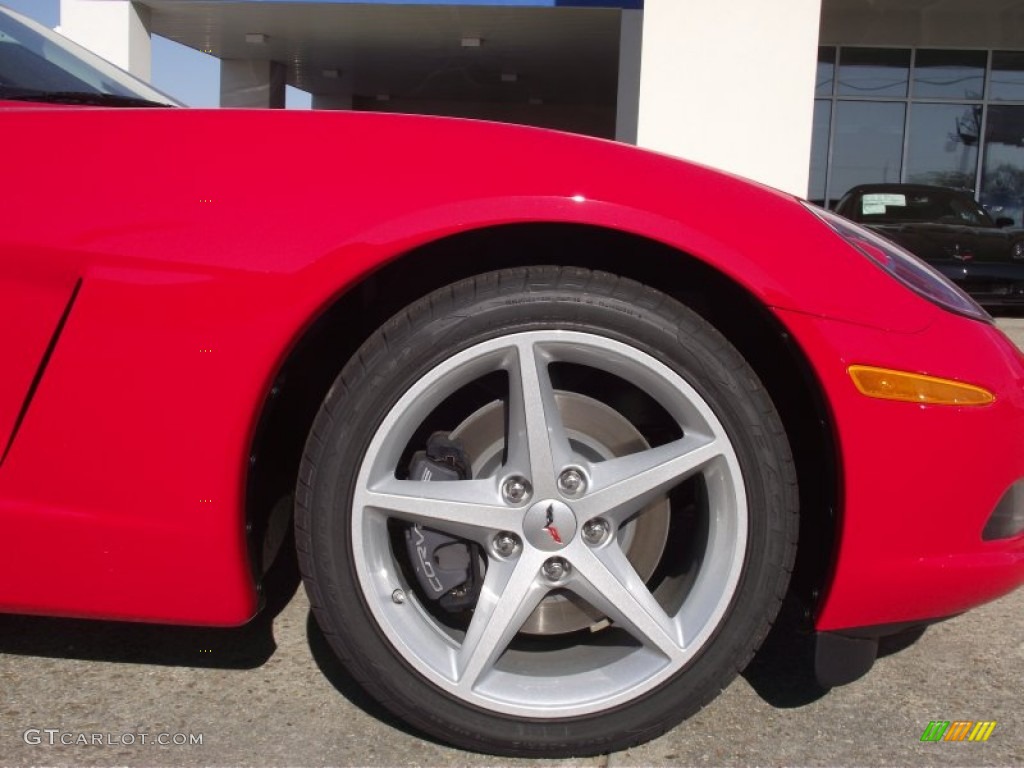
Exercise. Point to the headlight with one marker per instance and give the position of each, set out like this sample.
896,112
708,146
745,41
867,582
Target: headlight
918,276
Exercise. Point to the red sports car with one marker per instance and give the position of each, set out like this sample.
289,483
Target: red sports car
558,431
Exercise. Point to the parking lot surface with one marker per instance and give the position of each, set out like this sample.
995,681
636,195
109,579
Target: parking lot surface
269,694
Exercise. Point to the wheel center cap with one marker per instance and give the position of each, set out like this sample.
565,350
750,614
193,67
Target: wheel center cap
549,525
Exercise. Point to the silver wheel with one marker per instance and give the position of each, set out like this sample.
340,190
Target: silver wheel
598,432
578,543
546,512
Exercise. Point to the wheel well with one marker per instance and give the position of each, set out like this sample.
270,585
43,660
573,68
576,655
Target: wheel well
316,360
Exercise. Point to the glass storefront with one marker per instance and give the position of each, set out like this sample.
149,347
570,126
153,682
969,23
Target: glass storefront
920,116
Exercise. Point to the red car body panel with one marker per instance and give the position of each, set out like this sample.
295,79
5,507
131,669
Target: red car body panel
206,242
919,482
35,294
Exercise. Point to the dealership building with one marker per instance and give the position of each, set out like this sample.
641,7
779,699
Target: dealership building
811,96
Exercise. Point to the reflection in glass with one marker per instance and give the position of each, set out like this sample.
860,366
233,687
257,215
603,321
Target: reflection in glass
1007,83
868,144
1002,173
949,74
826,71
819,151
943,145
873,72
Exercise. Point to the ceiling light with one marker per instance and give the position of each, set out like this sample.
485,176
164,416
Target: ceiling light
256,38
332,74
472,42
509,77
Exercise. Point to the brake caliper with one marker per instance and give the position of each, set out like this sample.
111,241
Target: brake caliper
447,568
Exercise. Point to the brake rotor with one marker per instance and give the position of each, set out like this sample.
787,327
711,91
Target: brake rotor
596,432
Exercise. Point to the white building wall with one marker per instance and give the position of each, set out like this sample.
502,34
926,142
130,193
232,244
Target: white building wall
116,30
731,84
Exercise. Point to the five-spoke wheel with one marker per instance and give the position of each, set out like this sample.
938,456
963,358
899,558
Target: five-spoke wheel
600,542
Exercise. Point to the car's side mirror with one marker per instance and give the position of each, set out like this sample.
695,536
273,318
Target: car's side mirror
1004,221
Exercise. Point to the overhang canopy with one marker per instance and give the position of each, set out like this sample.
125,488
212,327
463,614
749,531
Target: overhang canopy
540,51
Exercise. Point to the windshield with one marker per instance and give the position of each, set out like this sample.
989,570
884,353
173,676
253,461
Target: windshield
939,206
35,61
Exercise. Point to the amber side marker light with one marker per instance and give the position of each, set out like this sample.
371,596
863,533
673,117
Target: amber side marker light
888,384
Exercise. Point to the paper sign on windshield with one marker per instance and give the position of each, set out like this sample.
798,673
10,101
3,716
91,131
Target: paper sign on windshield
876,202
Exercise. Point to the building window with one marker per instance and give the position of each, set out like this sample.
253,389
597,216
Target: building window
1002,175
826,71
867,143
949,74
819,148
1007,76
873,72
942,145
921,116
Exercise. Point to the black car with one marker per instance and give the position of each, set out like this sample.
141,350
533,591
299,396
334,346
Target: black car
948,229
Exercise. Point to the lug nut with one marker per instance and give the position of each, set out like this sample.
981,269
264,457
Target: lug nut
506,544
555,569
398,597
516,490
571,482
595,531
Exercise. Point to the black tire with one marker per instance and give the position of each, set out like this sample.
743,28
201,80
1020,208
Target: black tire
494,306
